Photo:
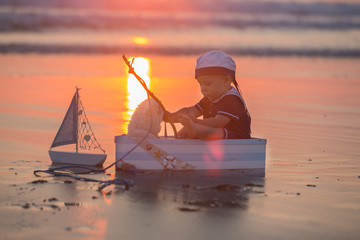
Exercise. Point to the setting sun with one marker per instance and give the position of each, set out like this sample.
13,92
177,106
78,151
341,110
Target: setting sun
141,40
135,92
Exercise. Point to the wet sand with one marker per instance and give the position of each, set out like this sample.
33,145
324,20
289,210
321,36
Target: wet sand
308,109
310,199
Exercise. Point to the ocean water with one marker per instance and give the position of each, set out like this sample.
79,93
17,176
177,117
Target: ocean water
300,104
265,28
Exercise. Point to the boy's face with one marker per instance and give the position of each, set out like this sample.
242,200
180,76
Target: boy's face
214,86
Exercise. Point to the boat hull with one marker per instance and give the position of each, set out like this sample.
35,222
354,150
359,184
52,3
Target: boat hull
91,159
204,155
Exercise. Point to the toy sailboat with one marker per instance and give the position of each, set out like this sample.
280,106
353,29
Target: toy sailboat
75,129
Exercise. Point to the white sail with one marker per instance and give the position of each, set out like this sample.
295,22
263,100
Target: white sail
67,133
75,129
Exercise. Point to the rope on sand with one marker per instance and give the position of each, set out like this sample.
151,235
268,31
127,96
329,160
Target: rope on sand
104,184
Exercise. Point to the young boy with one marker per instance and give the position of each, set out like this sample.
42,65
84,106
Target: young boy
224,111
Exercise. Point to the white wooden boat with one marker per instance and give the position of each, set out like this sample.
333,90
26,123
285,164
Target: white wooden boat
76,129
194,154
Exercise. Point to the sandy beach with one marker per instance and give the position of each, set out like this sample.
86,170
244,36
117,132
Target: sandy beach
307,108
290,202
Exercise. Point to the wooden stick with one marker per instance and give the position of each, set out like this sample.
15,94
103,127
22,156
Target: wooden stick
151,94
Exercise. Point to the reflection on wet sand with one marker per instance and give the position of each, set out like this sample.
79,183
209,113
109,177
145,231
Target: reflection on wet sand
76,169
196,190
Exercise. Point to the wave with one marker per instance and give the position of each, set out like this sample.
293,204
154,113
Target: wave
96,49
326,29
34,15
35,22
239,6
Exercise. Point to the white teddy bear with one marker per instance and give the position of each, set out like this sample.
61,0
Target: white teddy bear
141,120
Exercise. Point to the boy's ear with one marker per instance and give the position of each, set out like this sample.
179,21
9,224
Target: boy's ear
228,78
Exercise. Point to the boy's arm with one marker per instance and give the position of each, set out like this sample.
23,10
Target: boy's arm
209,129
219,121
191,112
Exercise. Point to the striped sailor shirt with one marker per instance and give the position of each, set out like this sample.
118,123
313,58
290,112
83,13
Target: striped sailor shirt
232,106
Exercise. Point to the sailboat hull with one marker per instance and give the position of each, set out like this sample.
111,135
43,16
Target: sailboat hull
77,158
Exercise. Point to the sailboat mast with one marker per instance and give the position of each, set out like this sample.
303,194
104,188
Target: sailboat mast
77,119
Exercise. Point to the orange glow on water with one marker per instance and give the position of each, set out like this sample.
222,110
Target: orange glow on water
141,40
135,92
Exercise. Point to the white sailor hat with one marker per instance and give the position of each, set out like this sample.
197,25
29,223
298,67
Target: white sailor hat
215,62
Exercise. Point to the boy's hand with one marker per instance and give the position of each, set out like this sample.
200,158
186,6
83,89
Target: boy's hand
188,125
184,120
167,117
175,117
